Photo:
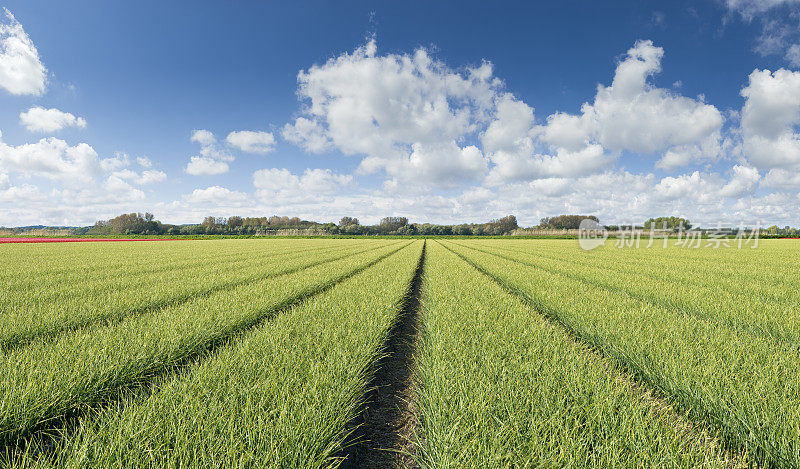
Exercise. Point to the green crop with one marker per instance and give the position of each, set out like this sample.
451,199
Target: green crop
51,381
744,387
277,353
503,386
281,396
32,312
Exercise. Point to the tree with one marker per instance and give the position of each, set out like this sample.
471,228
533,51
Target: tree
462,230
406,230
129,223
390,224
255,223
504,225
212,225
566,222
235,222
669,223
355,229
347,221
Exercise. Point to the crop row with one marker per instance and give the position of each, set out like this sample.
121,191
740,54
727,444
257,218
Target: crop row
281,395
744,387
49,382
767,267
46,265
30,316
531,354
772,315
100,268
503,386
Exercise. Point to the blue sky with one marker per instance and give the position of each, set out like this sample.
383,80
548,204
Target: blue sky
440,111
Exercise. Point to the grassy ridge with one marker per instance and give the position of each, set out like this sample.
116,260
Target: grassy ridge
502,386
109,263
771,311
280,396
534,353
39,313
770,265
48,381
744,387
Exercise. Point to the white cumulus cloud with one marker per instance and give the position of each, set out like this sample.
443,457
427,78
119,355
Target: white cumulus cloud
769,117
118,161
308,134
21,70
403,113
117,188
781,179
250,141
212,160
743,181
203,137
217,196
512,138
18,194
282,183
52,158
39,119
202,166
629,115
633,115
149,176
685,186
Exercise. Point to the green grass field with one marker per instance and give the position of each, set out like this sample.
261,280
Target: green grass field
399,352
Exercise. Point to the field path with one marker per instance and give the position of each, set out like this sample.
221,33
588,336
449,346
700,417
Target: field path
385,423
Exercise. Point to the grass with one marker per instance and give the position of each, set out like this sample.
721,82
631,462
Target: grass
503,386
48,311
771,305
280,396
744,388
532,353
51,381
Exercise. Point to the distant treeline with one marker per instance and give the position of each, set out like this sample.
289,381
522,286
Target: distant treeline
137,223
146,224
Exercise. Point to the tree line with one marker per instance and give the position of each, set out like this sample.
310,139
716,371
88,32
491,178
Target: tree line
145,224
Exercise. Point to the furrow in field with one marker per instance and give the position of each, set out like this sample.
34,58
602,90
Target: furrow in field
49,383
279,396
743,387
718,307
65,261
53,287
383,426
50,294
671,266
27,327
505,387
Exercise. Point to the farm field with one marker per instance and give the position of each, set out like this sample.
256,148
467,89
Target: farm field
399,352
22,239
